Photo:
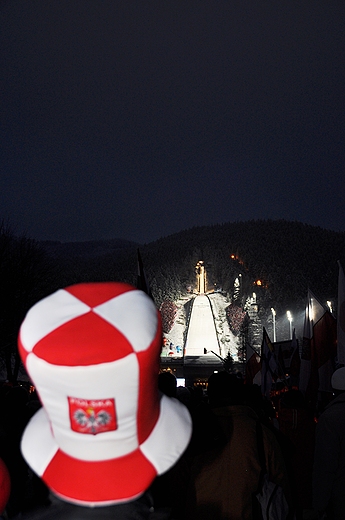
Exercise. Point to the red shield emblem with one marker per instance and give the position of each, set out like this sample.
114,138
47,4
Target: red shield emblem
92,415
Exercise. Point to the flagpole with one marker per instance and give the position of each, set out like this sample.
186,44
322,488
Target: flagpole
142,282
341,317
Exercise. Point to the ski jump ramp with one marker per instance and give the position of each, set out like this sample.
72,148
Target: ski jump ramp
201,331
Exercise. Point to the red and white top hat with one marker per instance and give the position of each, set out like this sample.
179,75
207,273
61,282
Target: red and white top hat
104,431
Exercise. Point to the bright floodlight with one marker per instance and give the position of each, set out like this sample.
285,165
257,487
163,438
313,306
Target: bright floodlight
274,324
289,317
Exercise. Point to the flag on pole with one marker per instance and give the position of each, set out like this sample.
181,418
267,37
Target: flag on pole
142,282
318,351
295,360
269,366
341,317
253,368
305,369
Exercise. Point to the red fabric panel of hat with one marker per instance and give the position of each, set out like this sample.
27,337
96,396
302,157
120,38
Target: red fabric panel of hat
89,482
93,294
84,341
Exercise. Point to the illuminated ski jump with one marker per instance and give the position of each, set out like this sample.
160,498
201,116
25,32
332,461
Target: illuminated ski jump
201,332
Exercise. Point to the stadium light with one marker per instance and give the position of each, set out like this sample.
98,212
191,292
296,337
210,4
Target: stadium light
274,324
289,317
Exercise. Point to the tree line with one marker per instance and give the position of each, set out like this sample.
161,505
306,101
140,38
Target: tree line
286,257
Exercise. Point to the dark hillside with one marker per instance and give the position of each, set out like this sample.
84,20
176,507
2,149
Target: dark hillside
288,257
87,249
97,260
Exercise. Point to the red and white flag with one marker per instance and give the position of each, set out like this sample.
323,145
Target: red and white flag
318,351
295,360
253,368
269,366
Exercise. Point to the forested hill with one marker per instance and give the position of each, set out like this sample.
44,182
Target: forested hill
288,257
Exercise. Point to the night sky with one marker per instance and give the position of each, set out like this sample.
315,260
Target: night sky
138,119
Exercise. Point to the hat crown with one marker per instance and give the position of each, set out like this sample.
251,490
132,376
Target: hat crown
82,356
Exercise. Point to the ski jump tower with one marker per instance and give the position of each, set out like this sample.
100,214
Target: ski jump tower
201,281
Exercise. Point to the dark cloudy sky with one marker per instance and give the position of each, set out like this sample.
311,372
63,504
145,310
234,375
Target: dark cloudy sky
137,119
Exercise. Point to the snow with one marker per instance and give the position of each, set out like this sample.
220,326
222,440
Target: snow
202,332
227,341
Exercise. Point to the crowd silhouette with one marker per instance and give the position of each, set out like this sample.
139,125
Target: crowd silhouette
215,471
218,474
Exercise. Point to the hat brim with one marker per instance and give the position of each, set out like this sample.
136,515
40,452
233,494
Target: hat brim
110,481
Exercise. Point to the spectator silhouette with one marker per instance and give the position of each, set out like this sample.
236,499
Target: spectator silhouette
225,476
5,486
329,460
167,383
15,416
296,422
